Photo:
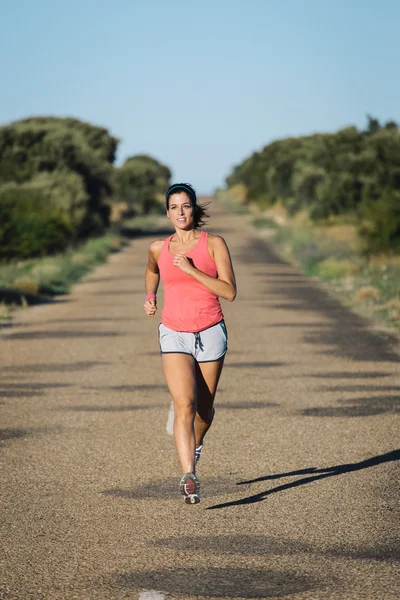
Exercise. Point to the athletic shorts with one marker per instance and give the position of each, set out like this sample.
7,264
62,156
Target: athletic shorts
205,346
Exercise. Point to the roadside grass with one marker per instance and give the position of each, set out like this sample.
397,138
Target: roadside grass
155,225
37,280
25,282
4,313
333,253
370,285
146,222
233,200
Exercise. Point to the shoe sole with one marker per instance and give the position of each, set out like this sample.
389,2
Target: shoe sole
192,499
194,496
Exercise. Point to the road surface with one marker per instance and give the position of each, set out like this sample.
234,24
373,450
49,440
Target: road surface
299,473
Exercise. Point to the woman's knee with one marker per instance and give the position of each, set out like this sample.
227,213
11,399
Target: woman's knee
205,415
184,408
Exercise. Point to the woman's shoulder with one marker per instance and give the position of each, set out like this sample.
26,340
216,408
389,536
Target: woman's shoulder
216,245
216,241
156,245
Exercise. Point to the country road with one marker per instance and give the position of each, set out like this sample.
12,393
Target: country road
299,472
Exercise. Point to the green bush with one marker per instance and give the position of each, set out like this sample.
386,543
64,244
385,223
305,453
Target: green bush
57,182
83,153
380,225
141,182
351,172
29,226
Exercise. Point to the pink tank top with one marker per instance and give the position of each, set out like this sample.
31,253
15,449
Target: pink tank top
188,304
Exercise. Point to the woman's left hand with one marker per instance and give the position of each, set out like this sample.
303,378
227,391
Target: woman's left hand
183,263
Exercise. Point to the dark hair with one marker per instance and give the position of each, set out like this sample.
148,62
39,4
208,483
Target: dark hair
199,210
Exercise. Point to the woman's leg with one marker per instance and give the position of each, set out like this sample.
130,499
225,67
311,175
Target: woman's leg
179,372
207,377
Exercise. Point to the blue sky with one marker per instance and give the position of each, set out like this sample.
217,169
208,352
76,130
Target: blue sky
201,85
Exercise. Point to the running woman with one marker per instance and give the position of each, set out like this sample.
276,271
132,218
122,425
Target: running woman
196,270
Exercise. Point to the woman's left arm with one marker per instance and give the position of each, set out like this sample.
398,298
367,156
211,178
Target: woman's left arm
224,285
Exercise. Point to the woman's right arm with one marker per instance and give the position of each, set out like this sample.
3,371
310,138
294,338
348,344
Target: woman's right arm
152,278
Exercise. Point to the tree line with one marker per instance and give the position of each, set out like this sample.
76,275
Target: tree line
351,172
57,182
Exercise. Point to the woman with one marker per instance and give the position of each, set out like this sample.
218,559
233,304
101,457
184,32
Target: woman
196,270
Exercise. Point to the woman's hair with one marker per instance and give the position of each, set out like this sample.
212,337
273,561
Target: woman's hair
199,213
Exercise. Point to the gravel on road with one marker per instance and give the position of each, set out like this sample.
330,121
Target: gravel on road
299,472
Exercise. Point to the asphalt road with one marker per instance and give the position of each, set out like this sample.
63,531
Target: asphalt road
299,473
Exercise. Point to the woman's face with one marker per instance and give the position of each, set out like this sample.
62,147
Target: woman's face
180,211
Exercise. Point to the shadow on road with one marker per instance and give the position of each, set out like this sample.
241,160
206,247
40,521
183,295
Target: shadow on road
54,367
350,375
137,232
42,335
255,365
356,407
237,405
117,293
12,433
14,324
264,545
15,433
12,296
346,334
27,390
220,582
161,489
105,408
128,388
317,474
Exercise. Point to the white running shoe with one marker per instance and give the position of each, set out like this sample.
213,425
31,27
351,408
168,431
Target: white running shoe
198,452
189,487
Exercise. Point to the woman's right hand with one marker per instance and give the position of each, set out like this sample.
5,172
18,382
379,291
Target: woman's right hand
150,307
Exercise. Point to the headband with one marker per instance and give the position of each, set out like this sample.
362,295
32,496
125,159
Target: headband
184,187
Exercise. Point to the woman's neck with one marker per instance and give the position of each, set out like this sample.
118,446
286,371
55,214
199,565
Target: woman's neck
185,237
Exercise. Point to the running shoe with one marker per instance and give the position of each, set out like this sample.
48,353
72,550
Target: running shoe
198,452
189,487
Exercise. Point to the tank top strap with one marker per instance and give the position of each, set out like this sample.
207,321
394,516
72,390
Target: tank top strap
165,246
201,246
203,242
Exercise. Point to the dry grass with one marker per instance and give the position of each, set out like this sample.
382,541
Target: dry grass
332,268
333,251
278,214
392,309
392,304
46,270
344,233
26,285
115,245
82,258
367,293
301,219
118,210
4,312
239,193
52,275
383,260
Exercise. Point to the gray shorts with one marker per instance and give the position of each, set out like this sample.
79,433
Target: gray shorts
205,346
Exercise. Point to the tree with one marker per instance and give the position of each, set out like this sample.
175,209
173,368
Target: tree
142,182
49,145
348,172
